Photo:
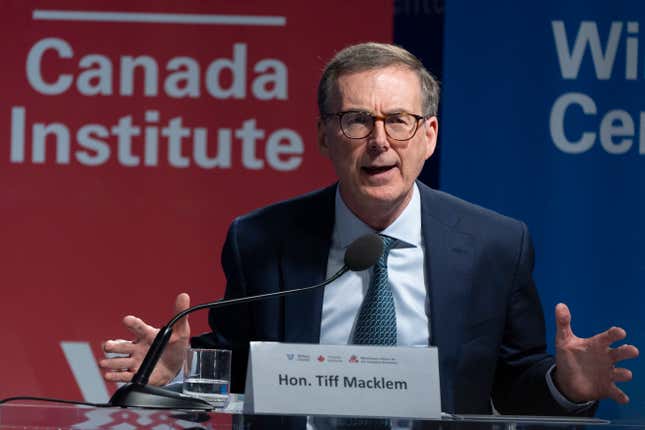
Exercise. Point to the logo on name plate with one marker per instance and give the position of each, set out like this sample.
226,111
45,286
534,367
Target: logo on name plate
290,356
321,358
353,359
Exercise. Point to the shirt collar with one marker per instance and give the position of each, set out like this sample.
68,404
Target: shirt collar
406,228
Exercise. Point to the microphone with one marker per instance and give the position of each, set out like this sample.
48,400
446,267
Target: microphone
361,254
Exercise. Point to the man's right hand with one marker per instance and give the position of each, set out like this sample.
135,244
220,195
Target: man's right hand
122,369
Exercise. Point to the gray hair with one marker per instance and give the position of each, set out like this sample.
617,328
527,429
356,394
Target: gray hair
372,56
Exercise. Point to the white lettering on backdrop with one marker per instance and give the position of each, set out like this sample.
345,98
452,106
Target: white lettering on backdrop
131,144
617,129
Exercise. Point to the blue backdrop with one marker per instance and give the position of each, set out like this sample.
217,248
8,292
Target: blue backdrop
543,119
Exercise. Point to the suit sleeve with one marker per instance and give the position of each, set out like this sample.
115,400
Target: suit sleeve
520,382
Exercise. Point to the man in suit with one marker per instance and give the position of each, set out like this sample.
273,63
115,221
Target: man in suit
459,275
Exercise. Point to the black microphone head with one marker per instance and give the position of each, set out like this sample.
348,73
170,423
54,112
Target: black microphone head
362,253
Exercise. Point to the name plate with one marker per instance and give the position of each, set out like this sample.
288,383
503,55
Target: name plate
343,380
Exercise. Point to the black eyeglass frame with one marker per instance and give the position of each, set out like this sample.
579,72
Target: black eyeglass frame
374,117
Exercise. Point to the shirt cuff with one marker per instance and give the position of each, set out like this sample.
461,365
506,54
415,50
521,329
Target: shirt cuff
178,379
567,404
177,383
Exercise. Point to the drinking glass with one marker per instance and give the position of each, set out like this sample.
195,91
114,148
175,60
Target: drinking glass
207,375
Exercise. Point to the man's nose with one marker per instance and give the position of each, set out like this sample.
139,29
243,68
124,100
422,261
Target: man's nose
378,137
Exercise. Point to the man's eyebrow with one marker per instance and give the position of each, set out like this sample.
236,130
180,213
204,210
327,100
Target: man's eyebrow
392,111
397,110
355,108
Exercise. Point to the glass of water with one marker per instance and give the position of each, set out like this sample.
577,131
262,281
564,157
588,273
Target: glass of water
207,375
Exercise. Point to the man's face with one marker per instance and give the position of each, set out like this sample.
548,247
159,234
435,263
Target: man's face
377,172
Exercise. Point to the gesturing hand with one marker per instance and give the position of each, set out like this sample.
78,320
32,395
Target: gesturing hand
585,367
122,369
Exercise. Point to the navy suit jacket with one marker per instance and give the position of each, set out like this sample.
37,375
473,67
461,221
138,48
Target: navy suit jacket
484,313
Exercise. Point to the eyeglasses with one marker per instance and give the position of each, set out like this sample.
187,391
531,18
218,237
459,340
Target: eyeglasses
359,124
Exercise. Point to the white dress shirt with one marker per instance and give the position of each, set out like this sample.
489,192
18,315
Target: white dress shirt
405,268
406,275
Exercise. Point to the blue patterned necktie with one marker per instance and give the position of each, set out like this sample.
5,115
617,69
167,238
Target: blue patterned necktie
376,324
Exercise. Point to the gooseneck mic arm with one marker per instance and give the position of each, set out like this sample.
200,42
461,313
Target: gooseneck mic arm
160,341
360,255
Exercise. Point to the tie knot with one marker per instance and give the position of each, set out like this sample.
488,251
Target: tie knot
388,242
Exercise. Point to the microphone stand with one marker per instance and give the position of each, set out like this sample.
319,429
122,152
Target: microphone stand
361,254
139,394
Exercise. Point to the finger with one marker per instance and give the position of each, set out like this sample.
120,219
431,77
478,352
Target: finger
620,374
118,346
118,376
139,328
618,395
111,342
623,352
182,302
562,323
121,363
612,335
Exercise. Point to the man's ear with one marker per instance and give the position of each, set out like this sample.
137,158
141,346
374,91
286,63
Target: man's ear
431,131
323,147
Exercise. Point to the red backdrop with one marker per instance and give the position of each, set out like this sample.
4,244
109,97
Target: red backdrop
106,209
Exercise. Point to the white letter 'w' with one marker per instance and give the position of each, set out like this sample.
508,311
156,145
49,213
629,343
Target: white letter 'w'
86,371
587,35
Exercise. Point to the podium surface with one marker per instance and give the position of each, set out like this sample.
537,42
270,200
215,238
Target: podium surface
40,415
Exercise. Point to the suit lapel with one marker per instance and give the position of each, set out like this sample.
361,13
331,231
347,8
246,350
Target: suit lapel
304,263
449,259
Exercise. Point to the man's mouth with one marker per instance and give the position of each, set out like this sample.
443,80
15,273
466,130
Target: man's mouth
375,170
